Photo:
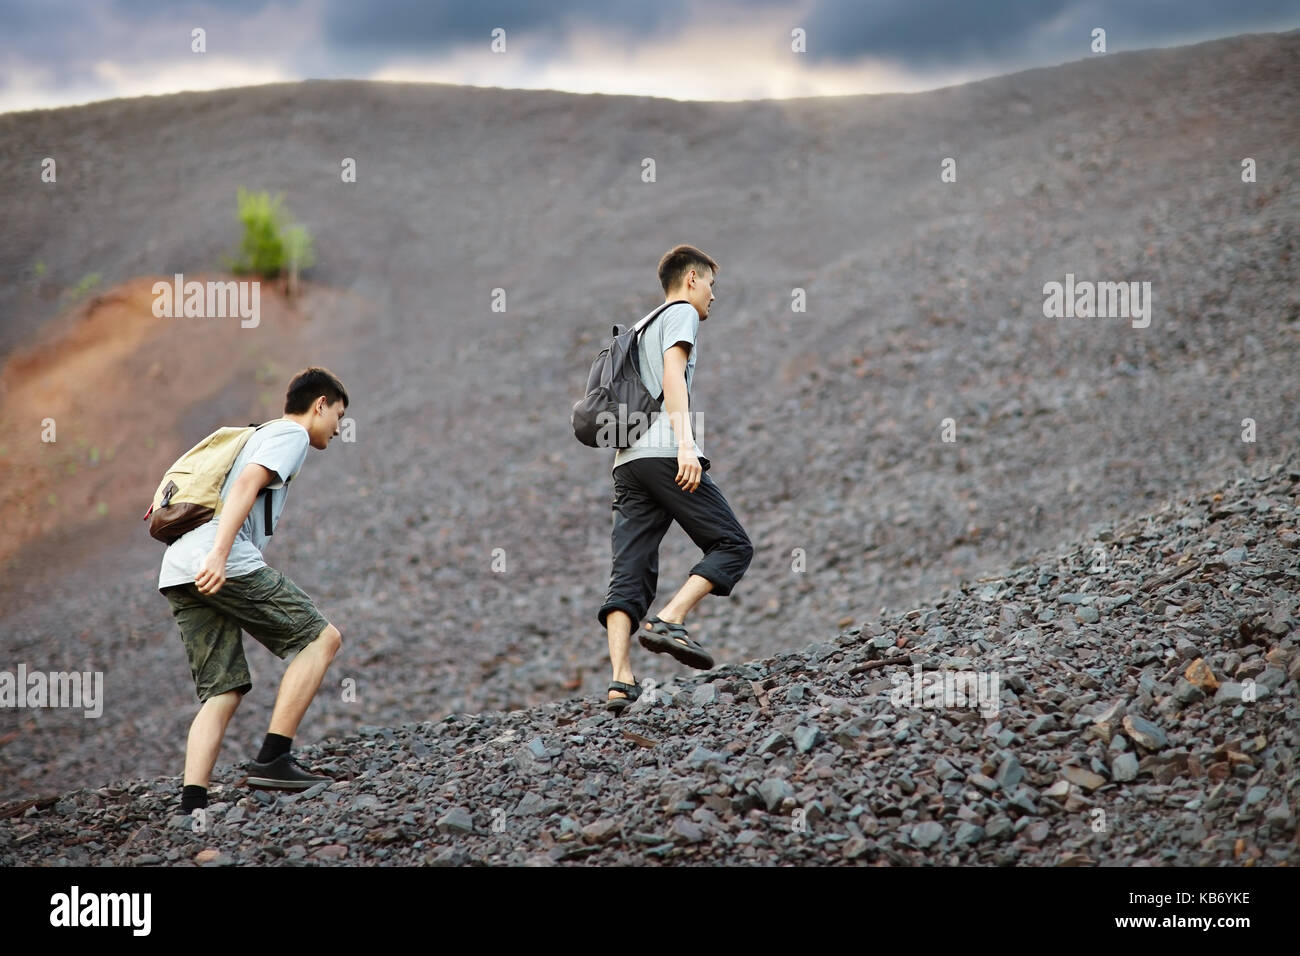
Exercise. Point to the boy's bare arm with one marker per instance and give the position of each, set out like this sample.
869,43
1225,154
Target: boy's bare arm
677,408
251,481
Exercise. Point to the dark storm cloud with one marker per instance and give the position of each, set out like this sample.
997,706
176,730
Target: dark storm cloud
68,37
406,26
62,41
922,33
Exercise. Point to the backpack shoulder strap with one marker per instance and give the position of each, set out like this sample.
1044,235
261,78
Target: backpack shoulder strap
640,326
266,493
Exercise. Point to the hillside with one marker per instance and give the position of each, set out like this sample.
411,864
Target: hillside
924,303
1143,713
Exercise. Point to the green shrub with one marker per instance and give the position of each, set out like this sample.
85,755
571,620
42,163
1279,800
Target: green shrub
270,245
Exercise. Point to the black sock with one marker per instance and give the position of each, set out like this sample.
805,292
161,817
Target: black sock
273,746
192,797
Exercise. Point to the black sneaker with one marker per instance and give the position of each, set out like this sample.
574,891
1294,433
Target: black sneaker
282,773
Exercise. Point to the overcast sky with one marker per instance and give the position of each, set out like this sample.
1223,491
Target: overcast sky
61,52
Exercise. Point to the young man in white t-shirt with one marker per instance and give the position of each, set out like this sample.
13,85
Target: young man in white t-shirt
218,585
662,478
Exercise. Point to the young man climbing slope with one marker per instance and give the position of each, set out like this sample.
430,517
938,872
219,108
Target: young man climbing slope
661,478
218,585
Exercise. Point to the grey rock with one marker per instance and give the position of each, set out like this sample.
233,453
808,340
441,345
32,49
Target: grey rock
774,790
927,834
1042,724
705,695
1144,733
806,737
1010,773
456,820
1124,767
702,756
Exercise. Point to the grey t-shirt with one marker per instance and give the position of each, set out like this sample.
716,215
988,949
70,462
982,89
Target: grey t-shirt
280,446
677,323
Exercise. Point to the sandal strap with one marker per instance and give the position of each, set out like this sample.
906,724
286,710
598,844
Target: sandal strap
671,626
628,689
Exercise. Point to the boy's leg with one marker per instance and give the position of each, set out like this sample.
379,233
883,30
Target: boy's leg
618,626
206,733
302,678
281,616
707,518
639,525
684,601
215,651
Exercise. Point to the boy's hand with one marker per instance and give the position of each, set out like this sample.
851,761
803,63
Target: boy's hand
688,469
212,573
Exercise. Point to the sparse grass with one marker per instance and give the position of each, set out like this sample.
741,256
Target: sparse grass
82,288
270,245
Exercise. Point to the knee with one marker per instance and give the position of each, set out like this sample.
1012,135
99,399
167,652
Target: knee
224,703
330,639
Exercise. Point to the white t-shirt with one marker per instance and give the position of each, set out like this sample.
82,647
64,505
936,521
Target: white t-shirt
280,446
677,323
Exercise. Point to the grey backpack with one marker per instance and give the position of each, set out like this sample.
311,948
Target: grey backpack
617,409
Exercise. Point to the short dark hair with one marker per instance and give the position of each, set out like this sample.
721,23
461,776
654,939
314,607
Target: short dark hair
309,385
680,260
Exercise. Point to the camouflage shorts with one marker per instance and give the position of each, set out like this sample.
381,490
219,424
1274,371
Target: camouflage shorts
265,603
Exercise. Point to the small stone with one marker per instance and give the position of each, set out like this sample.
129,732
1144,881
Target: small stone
701,756
853,848
1256,795
1023,802
684,830
334,851
600,831
775,743
705,695
456,820
927,834
1010,773
1199,674
1082,778
1042,724
806,737
1144,733
206,856
773,790
968,834
1058,791
1124,767
1087,615
998,827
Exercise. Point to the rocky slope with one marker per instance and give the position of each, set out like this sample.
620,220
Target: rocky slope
1137,707
924,303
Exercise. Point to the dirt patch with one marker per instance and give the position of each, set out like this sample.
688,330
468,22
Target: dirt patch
111,384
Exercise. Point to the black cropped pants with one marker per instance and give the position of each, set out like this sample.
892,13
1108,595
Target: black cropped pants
647,501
